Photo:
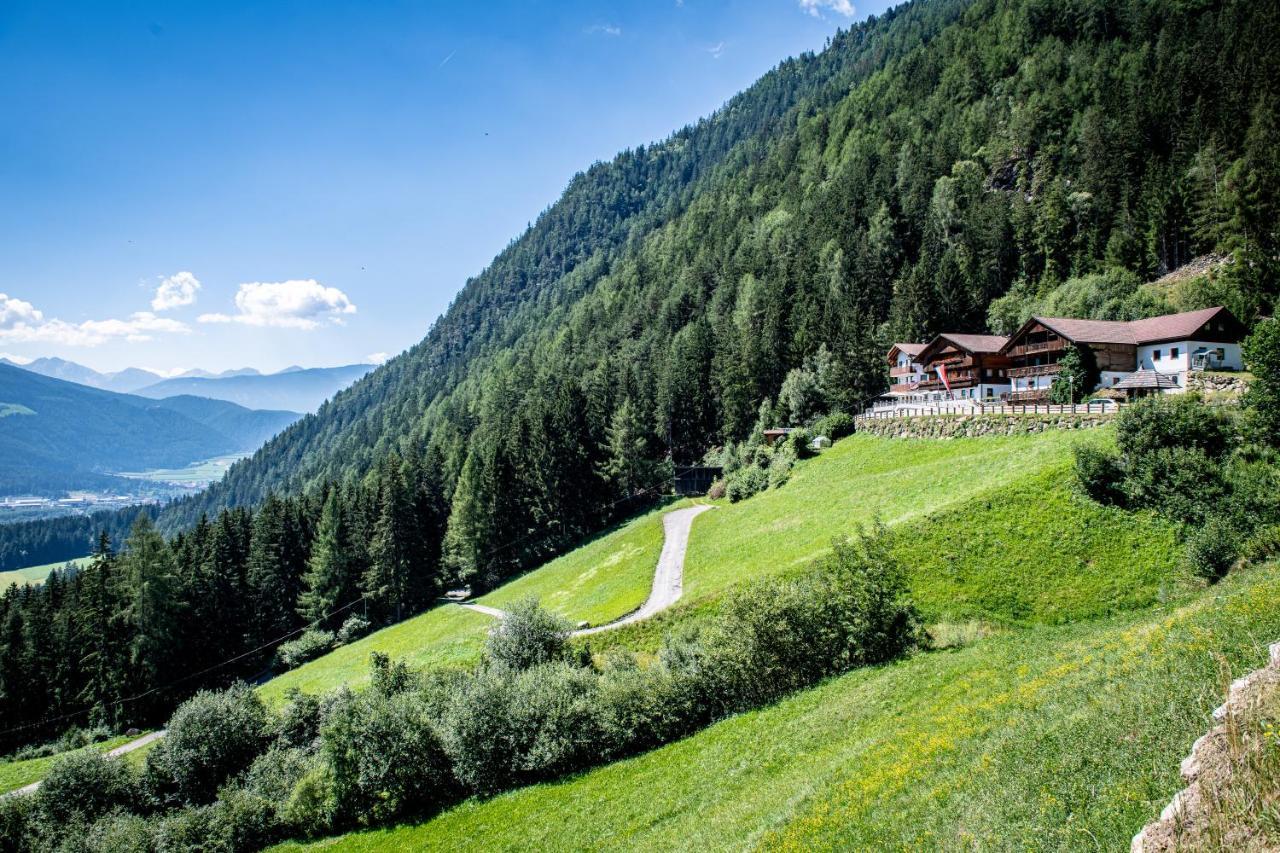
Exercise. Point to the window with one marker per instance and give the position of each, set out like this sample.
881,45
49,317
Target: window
1173,353
1155,355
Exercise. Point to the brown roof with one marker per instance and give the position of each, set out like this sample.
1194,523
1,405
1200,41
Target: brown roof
1088,331
976,343
1146,379
908,349
1170,327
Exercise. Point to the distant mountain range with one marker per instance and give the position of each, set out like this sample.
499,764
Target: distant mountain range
57,435
293,389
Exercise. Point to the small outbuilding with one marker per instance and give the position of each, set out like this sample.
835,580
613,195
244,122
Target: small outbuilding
1140,383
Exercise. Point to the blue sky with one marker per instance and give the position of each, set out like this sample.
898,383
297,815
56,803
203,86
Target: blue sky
225,184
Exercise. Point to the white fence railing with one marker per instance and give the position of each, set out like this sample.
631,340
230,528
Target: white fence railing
930,410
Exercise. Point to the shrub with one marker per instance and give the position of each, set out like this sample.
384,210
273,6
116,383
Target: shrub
212,737
353,629
503,728
385,760
528,636
274,774
717,490
1262,546
241,821
311,645
1172,421
760,647
745,482
299,722
835,426
388,677
120,832
1098,474
1212,549
1181,483
780,467
83,787
311,806
797,444
641,708
17,819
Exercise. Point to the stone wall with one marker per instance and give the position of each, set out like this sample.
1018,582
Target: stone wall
968,426
1217,383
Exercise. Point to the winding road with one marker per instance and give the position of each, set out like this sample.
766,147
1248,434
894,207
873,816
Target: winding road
668,577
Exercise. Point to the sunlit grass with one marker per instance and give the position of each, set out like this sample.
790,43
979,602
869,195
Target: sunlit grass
16,774
1062,737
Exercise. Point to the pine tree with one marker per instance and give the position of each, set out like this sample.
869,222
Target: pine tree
152,611
395,583
105,655
333,572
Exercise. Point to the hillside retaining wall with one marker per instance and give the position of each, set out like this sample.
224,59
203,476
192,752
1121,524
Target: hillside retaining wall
970,426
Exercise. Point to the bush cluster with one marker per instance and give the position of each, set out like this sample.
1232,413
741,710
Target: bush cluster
229,776
1186,460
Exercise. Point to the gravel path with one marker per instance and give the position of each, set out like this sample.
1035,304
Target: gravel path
114,753
668,577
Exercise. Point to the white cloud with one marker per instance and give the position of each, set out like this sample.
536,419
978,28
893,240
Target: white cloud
376,358
295,304
840,7
14,313
175,291
716,50
605,29
22,322
16,359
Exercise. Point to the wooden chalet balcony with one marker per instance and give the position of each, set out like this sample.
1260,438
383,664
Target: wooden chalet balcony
1039,395
1034,370
902,371
956,378
1034,347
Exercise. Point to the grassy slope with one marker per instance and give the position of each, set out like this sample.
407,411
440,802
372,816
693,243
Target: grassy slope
1050,737
15,774
34,574
857,480
606,578
1036,552
445,636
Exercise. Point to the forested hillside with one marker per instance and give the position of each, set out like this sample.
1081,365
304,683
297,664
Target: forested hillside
951,161
925,164
57,435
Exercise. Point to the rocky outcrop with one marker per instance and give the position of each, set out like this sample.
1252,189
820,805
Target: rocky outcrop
969,426
1209,763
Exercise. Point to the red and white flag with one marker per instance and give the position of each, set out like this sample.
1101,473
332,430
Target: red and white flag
942,374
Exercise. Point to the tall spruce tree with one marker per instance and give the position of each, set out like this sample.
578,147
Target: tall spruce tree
333,572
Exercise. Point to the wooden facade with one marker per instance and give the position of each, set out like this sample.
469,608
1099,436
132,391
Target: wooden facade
965,366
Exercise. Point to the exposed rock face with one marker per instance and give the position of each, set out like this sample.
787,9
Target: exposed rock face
1208,765
969,426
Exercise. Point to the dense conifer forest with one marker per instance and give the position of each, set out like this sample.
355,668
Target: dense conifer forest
947,166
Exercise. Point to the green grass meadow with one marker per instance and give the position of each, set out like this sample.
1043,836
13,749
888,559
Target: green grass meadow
35,574
1052,737
16,774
